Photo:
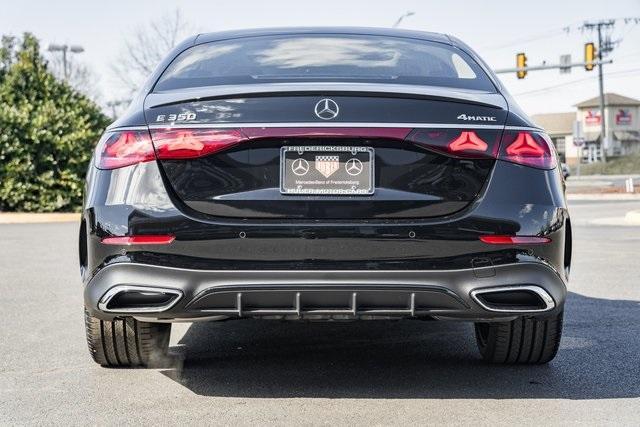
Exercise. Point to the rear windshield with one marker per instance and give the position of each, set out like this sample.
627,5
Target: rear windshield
324,58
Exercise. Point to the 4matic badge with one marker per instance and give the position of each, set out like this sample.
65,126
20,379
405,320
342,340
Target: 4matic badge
477,118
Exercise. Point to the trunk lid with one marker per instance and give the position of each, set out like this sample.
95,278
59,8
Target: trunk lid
413,139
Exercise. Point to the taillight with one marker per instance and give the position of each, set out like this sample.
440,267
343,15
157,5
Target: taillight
522,147
468,141
190,144
123,148
459,143
528,148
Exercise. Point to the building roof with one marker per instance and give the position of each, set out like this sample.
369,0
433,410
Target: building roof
556,123
612,99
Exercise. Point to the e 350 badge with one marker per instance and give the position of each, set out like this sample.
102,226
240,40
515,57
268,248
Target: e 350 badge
182,117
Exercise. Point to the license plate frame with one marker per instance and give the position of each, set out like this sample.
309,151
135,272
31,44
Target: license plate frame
327,170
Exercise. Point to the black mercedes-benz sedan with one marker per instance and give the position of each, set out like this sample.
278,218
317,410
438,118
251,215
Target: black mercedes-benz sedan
324,174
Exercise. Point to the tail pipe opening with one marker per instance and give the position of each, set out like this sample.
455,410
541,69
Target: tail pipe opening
510,299
136,299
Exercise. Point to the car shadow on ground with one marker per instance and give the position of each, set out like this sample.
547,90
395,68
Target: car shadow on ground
599,358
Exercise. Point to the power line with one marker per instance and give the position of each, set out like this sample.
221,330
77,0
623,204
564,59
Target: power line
572,82
548,88
629,54
541,36
557,31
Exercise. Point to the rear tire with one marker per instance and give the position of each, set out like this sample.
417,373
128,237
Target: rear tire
522,341
127,342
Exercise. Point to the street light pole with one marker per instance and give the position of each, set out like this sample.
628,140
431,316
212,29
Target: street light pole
65,71
405,15
64,48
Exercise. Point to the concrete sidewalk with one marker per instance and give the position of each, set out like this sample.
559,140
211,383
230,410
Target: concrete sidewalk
602,187
603,196
602,177
33,218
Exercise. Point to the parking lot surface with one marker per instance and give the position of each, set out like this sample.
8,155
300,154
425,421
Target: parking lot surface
378,372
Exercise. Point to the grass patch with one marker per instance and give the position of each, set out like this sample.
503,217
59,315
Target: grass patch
614,166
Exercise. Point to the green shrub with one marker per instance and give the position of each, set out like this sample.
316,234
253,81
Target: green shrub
47,133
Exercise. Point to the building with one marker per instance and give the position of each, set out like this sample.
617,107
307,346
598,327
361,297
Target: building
622,127
621,122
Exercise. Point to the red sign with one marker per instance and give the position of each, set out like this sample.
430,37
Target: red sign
592,117
623,117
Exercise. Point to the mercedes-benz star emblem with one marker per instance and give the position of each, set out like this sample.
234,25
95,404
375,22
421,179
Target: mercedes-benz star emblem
353,167
300,167
327,109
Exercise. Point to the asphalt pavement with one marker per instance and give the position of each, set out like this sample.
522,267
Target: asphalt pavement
259,372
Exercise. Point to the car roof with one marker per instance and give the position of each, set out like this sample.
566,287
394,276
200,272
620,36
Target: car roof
372,31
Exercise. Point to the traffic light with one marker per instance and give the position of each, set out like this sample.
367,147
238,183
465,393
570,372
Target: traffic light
589,56
521,64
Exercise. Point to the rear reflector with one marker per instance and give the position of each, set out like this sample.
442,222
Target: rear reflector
139,240
514,240
124,148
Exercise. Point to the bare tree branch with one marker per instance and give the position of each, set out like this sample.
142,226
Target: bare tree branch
146,48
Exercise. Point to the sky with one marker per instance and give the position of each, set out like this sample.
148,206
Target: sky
497,30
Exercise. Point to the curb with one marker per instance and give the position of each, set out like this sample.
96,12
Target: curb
37,218
576,178
632,217
604,197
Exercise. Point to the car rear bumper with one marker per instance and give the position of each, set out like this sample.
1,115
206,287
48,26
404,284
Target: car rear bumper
189,295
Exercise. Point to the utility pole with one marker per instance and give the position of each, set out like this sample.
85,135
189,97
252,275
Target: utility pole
593,56
604,47
64,48
603,127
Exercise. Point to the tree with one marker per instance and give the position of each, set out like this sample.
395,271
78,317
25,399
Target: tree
47,132
146,48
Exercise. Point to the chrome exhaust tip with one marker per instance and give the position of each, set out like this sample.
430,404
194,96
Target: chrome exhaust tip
514,299
138,299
